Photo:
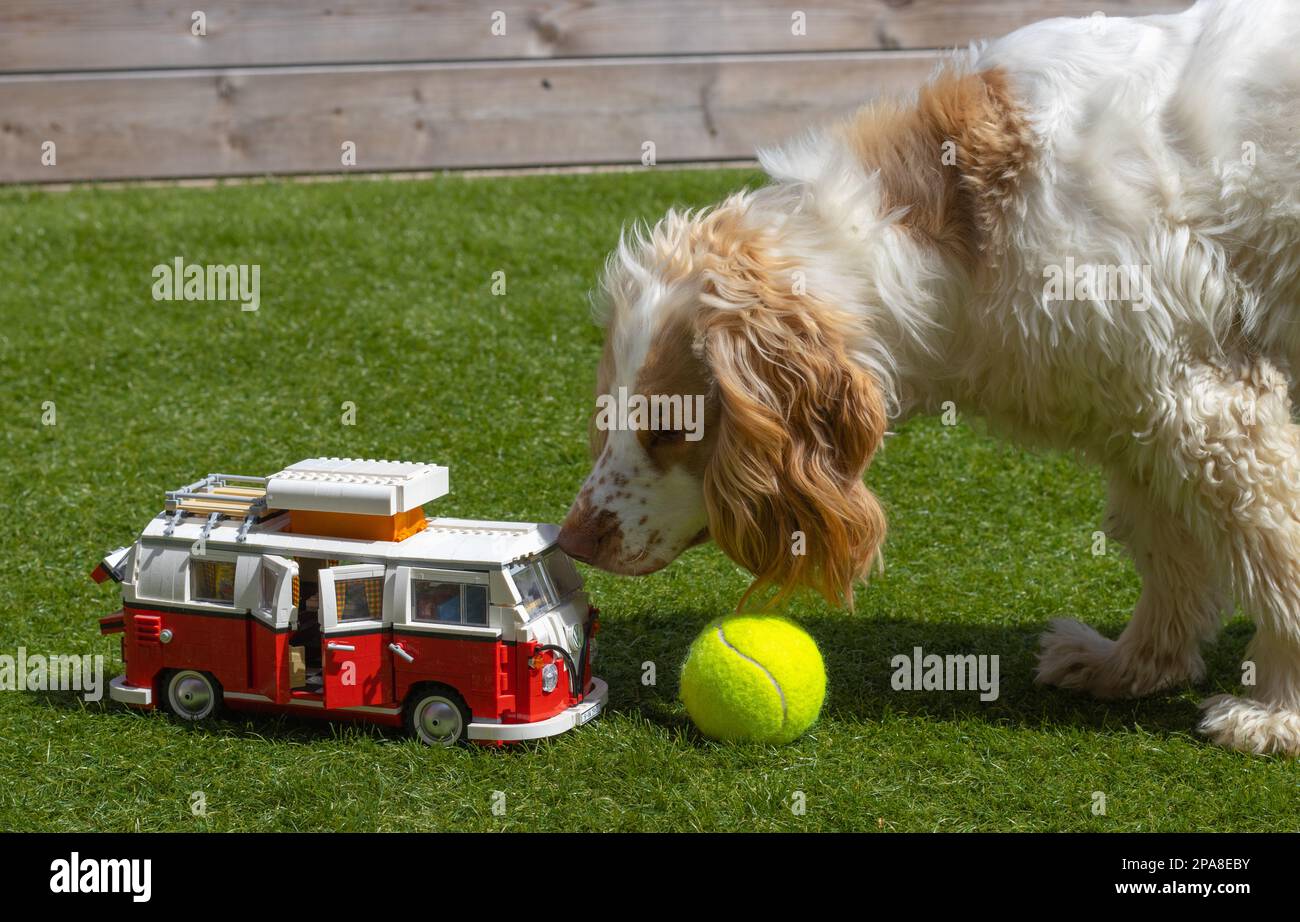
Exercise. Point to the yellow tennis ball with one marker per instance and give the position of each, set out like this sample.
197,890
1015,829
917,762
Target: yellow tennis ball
753,678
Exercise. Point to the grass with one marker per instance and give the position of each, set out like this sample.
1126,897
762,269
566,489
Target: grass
379,293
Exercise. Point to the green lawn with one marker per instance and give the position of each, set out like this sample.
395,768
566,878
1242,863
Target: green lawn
379,293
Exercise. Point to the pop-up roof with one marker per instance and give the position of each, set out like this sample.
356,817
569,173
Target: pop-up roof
339,497
356,487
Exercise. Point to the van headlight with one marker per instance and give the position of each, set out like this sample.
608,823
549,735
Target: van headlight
575,632
550,678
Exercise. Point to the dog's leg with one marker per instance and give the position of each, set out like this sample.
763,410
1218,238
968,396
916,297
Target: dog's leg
1180,607
1234,459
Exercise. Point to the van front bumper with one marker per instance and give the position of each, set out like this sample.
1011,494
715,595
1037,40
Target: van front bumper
576,716
134,695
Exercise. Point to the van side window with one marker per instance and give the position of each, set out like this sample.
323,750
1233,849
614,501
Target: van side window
213,581
476,605
360,598
435,603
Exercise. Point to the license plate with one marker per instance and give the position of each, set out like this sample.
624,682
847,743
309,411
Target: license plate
588,714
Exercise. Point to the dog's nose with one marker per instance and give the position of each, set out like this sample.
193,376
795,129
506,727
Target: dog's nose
578,538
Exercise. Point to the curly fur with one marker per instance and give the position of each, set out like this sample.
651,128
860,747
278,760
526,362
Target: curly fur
799,424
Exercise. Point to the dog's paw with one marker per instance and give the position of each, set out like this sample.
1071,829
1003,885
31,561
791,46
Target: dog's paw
1071,655
1250,726
1075,656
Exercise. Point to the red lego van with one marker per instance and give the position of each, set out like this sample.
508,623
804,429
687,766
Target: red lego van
325,590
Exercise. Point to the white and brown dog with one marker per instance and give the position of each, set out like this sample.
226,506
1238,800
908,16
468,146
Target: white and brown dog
1088,233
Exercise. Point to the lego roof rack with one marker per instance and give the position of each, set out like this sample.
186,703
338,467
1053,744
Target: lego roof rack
218,495
348,486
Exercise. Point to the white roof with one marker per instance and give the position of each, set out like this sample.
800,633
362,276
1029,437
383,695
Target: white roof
466,542
357,486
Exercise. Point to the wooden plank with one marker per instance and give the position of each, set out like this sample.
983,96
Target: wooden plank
59,35
209,506
429,116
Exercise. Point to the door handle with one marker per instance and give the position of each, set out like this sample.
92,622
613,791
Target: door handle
341,647
396,648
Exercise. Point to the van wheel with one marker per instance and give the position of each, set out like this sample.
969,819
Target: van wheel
437,716
192,695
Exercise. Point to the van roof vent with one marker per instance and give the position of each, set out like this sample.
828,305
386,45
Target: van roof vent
493,529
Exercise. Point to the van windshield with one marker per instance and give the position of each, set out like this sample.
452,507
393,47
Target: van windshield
564,575
533,592
542,582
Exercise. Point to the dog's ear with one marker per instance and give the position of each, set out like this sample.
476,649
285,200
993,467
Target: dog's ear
799,422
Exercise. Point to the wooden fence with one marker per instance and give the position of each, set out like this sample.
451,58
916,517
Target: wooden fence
117,89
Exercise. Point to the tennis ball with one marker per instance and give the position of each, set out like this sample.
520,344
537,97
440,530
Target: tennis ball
753,678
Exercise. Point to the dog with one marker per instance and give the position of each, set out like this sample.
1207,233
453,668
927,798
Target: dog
1086,233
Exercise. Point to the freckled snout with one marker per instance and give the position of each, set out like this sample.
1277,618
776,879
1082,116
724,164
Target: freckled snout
591,535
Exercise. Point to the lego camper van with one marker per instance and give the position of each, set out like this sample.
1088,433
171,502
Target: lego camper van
324,590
